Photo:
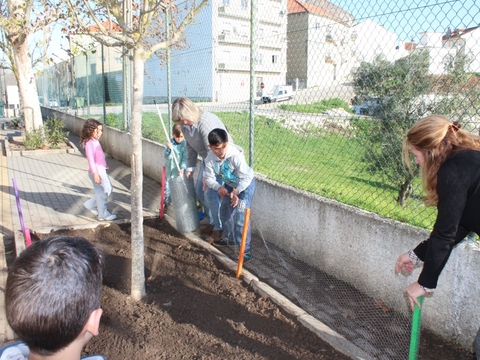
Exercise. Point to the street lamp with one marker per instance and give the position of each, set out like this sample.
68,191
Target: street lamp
4,92
72,73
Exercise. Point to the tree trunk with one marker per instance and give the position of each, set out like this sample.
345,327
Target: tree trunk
27,85
404,192
138,271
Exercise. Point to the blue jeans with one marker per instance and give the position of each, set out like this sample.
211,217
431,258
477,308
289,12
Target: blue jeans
233,218
210,200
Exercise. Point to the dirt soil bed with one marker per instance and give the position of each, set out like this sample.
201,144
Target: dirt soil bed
195,308
17,144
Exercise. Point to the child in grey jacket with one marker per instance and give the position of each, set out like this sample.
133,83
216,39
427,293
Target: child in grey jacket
228,162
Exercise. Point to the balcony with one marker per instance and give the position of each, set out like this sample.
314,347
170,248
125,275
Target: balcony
236,12
329,38
233,66
329,59
229,38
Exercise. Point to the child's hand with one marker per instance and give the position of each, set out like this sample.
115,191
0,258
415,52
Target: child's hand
96,178
188,174
169,145
234,198
222,191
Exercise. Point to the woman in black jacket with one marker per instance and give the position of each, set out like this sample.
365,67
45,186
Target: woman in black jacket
449,160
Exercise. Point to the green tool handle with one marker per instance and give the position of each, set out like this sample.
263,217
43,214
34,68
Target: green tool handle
415,335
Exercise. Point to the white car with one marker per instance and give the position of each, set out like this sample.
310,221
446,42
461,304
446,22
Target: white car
279,93
53,103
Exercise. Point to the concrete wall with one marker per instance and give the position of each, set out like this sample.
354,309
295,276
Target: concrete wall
350,244
118,144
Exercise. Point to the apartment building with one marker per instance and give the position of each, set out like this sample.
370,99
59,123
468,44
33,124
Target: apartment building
214,63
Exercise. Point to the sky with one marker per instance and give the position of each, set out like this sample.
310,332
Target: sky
408,18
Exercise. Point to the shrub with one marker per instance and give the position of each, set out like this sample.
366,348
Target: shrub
17,123
34,139
54,132
114,120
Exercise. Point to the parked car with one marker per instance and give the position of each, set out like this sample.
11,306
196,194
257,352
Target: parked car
279,93
53,103
368,106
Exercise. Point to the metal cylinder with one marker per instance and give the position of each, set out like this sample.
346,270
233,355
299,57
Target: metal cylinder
184,203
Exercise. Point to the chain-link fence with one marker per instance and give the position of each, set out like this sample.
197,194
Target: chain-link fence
328,88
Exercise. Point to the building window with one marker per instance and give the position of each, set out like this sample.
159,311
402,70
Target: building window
244,4
259,59
226,2
274,59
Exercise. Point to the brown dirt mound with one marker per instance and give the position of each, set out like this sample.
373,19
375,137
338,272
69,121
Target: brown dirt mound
195,308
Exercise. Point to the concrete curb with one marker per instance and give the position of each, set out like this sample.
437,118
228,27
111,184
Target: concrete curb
73,149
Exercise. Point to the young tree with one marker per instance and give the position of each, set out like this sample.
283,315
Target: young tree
139,27
20,19
405,91
397,89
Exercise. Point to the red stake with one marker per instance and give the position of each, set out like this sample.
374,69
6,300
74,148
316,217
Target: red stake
28,238
162,193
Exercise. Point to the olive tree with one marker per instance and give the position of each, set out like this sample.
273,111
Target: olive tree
404,91
393,92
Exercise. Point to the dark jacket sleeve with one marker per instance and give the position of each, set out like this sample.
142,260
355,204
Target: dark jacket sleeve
452,189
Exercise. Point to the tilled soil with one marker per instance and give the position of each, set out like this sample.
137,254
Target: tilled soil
195,308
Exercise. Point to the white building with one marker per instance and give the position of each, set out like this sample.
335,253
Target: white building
371,40
467,41
318,34
215,63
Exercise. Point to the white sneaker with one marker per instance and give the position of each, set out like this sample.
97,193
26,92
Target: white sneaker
109,217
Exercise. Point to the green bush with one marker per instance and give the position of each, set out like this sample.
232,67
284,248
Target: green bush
114,120
17,122
34,139
54,132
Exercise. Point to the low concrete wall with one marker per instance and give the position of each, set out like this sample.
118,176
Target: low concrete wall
361,248
118,144
350,244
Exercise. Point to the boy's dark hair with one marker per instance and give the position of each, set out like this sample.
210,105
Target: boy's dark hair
217,137
177,130
52,288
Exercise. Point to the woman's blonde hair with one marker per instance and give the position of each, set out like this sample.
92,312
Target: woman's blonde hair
436,137
184,109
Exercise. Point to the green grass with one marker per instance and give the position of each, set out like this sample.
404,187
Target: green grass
318,107
325,163
328,164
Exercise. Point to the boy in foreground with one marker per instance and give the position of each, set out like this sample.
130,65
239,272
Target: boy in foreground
228,162
52,299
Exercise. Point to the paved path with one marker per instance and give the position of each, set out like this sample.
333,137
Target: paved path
52,191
